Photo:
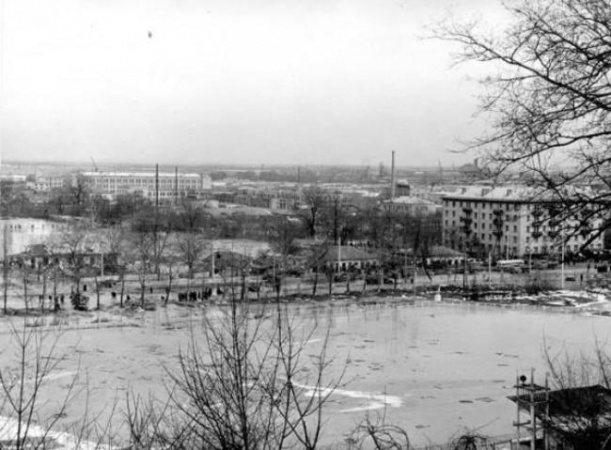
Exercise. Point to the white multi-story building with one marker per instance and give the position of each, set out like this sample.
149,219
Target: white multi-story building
47,183
19,234
168,185
513,222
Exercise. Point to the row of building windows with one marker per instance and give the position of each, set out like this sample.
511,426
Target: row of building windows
32,227
487,205
483,226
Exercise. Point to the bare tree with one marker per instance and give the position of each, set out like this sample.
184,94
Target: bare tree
191,215
32,415
156,232
317,263
79,192
379,435
315,198
73,242
26,272
469,440
23,385
246,387
549,97
191,248
140,260
117,241
6,268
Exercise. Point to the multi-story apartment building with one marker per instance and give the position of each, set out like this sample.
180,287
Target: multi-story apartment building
168,185
512,222
268,195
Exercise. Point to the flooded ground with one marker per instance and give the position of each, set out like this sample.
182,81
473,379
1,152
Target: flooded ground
431,368
451,366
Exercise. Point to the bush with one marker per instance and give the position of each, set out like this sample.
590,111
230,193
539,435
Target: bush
79,302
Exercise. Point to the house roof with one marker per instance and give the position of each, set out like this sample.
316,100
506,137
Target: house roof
347,253
570,409
439,251
406,200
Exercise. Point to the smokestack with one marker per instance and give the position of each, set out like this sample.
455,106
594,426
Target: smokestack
392,177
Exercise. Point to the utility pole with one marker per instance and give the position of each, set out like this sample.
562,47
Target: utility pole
176,186
156,186
5,268
498,223
466,228
562,259
392,178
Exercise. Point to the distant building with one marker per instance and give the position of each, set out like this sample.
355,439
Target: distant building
171,185
47,183
512,222
403,189
439,254
87,262
18,235
13,178
268,195
341,258
413,206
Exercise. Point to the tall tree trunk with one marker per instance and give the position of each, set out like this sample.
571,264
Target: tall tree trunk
97,291
55,297
168,289
122,288
44,292
25,291
5,269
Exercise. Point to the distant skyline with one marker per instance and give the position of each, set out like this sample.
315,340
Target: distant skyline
287,82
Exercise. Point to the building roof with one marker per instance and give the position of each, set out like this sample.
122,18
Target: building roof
439,251
141,174
408,200
504,193
346,253
570,409
515,193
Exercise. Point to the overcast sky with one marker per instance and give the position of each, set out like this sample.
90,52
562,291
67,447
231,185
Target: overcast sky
234,81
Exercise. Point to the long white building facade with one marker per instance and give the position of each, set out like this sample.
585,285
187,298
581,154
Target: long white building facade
168,185
512,222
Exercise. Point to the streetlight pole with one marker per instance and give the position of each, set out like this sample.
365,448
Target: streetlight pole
562,260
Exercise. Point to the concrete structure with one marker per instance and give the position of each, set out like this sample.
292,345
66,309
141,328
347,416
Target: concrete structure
171,185
512,222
